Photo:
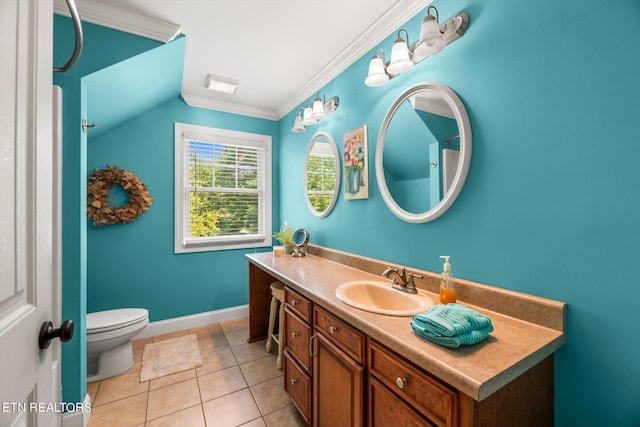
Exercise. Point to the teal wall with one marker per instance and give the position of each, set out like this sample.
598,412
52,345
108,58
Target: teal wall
551,204
133,265
74,175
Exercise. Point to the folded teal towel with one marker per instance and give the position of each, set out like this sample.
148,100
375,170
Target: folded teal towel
471,337
451,320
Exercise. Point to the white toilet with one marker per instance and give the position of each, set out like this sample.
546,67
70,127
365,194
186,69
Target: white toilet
109,335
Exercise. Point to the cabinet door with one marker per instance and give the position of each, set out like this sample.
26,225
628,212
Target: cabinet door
338,387
387,409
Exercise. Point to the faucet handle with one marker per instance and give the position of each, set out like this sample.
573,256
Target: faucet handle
410,283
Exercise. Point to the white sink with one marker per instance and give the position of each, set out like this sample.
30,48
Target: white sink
379,297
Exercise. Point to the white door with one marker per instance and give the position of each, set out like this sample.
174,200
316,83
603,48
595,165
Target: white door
29,377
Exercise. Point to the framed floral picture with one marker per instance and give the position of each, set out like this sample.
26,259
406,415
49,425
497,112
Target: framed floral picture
356,179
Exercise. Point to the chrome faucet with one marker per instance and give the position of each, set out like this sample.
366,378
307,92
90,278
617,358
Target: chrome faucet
405,284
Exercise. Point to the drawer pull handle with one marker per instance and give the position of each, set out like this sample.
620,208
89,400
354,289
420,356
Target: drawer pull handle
401,383
294,334
293,381
311,353
333,330
294,302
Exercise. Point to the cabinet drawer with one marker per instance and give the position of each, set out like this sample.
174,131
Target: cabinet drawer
387,409
297,340
427,395
342,334
298,304
297,384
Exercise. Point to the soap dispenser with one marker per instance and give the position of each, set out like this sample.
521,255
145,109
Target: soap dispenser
447,287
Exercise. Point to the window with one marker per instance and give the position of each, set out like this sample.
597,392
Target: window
222,189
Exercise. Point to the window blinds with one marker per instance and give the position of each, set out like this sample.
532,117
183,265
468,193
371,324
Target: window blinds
224,183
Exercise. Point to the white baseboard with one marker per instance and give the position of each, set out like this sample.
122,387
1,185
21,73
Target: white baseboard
78,418
185,322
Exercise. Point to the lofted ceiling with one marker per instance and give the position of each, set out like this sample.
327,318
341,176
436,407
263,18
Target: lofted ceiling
281,51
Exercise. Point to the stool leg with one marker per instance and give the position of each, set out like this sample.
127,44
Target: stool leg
272,322
280,337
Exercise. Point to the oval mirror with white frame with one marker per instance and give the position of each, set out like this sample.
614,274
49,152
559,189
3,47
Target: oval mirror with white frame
321,174
423,152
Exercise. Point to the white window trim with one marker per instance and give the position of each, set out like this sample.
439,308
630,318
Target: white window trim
181,243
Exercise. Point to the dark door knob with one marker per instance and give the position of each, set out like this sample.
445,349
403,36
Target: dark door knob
47,333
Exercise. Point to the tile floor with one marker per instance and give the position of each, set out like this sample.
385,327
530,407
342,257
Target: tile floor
238,384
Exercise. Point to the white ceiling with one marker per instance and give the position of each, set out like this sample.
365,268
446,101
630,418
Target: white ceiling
281,51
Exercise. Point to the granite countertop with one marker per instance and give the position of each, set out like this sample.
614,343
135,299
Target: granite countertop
479,370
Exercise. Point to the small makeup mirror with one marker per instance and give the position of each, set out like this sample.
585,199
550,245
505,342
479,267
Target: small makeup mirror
300,240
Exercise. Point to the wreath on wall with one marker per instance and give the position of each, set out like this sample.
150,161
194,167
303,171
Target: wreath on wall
103,180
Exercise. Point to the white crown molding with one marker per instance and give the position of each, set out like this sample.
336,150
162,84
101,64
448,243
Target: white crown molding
228,107
120,19
124,20
396,16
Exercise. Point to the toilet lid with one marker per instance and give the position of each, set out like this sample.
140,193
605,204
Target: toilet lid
103,321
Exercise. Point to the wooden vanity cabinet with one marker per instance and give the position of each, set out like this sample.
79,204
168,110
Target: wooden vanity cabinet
336,375
338,372
297,351
401,391
526,401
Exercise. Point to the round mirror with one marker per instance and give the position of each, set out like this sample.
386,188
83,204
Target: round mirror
321,174
300,240
423,152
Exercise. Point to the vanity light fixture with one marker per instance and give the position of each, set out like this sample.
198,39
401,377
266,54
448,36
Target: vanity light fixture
221,84
433,38
314,112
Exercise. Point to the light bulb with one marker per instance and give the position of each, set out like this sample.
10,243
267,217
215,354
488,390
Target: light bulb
400,61
431,39
377,75
298,127
318,109
307,120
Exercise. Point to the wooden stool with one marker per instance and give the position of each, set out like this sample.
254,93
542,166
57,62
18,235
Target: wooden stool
277,297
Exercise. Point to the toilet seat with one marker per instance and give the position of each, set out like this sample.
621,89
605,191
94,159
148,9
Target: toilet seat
109,320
